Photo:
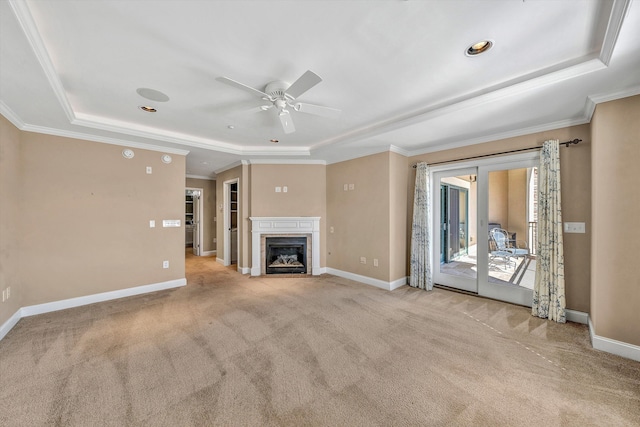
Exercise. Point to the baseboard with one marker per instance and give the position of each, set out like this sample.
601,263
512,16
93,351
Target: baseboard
32,310
9,324
244,270
609,345
388,286
577,316
219,260
318,271
208,253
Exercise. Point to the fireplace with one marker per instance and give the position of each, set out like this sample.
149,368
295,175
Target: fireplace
285,255
306,227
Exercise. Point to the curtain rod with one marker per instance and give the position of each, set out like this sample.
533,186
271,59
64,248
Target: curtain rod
566,144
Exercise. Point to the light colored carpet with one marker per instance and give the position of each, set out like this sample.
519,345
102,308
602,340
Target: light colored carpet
232,350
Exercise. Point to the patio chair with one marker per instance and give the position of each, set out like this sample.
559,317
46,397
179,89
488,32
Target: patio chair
501,247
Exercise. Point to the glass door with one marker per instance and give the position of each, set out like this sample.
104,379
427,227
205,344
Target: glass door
454,233
508,219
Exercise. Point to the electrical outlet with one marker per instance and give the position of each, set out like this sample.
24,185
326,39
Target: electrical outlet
165,264
375,262
152,223
285,189
346,187
215,240
149,170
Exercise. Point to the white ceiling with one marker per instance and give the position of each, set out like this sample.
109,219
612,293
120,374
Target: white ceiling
397,70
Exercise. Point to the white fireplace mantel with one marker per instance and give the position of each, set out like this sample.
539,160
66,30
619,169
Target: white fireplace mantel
285,225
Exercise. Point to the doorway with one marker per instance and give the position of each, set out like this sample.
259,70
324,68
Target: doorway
474,205
231,209
193,219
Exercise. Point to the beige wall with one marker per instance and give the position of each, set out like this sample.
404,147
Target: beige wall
518,203
398,184
615,291
10,226
305,196
499,198
576,197
360,218
208,221
85,218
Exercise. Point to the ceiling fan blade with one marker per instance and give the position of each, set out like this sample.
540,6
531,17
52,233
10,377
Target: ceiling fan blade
317,110
308,80
242,86
287,123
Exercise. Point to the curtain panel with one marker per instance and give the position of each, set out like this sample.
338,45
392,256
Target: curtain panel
420,269
548,291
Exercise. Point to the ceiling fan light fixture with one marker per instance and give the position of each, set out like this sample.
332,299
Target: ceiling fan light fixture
479,47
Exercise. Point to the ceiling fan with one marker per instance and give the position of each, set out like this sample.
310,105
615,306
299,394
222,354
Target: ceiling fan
281,95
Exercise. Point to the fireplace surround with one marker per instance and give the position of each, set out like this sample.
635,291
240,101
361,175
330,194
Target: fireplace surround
301,227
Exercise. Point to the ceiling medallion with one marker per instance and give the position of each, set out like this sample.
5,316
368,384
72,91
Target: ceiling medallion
479,47
128,154
166,159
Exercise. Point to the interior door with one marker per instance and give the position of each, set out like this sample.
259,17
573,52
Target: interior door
454,232
196,222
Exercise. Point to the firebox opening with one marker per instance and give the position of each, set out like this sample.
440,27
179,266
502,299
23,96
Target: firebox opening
284,255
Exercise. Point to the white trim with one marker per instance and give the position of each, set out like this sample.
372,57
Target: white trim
208,253
577,316
10,323
286,162
612,346
387,286
244,270
618,13
208,178
291,225
48,307
33,310
230,166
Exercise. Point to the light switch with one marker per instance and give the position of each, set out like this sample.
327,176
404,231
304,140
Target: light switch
352,187
278,189
152,223
346,187
149,170
574,227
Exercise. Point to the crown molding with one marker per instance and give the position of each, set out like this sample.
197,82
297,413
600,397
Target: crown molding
286,162
103,139
619,11
502,135
231,166
24,17
207,178
10,115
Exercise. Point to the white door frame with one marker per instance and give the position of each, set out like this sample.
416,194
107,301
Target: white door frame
199,215
512,294
226,190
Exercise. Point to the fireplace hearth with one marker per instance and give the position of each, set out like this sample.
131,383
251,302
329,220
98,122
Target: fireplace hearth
286,255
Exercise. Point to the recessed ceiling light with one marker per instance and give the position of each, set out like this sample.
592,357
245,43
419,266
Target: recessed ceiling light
147,109
479,47
275,141
231,127
152,94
